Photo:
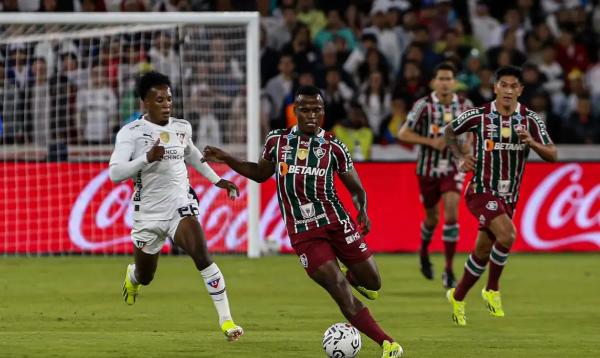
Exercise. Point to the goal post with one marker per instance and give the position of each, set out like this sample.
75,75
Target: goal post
194,36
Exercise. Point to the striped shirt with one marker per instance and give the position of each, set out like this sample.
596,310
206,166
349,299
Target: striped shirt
428,117
304,175
499,154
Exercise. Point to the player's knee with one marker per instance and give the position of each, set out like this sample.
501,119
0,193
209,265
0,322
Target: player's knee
507,238
432,220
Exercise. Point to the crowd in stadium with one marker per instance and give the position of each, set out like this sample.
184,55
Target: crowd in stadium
372,60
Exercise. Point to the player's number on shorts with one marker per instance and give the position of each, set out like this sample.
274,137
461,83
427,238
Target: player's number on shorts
189,210
347,226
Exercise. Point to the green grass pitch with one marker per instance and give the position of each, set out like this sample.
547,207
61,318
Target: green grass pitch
72,307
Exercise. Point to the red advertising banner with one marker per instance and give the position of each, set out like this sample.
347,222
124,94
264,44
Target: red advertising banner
66,207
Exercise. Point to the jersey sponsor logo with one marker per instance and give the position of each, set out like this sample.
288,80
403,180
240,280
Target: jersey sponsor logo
466,115
319,152
302,153
315,218
285,168
304,260
351,238
165,137
492,205
490,145
492,116
307,210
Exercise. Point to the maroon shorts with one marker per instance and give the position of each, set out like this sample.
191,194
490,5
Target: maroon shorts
317,246
432,188
485,207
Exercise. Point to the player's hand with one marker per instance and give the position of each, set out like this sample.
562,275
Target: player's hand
525,137
155,153
232,190
438,143
364,223
213,154
466,163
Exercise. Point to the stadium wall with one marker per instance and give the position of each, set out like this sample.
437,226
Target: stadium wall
72,208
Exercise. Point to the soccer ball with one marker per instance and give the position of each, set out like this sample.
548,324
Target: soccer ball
341,340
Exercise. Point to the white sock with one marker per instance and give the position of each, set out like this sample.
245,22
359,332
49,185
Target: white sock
215,285
132,277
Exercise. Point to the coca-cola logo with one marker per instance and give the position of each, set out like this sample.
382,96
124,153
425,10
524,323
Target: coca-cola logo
110,212
562,204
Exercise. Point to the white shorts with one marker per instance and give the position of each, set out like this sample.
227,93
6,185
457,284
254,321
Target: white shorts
150,236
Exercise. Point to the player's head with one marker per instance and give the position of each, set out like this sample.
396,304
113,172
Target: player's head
443,80
309,108
155,91
508,85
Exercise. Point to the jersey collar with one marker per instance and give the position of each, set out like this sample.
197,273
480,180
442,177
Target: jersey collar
436,99
143,118
296,131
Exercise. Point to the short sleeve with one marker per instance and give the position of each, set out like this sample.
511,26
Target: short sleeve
269,148
414,118
342,160
537,128
466,121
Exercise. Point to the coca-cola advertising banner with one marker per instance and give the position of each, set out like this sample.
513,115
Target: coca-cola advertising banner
66,207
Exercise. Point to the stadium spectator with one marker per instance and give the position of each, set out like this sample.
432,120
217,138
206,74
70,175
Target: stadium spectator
582,127
487,29
336,96
269,57
485,91
335,28
311,16
280,86
387,40
376,101
305,55
38,103
391,125
355,133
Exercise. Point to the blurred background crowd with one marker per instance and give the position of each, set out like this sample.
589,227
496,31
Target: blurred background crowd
372,60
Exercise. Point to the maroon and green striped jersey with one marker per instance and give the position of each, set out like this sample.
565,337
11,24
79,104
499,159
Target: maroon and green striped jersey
428,117
500,156
304,175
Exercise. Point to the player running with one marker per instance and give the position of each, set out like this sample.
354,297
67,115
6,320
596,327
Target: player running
504,132
436,169
153,151
304,159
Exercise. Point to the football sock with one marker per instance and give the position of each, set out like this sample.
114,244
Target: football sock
498,258
215,285
364,322
131,274
450,237
426,234
473,270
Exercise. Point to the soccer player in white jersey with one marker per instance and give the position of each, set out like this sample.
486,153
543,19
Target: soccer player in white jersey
153,151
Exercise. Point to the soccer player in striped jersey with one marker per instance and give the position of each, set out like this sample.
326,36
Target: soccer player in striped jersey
154,150
504,131
436,169
305,159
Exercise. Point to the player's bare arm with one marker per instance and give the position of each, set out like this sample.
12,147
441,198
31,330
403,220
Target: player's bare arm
259,172
546,151
466,160
407,135
359,197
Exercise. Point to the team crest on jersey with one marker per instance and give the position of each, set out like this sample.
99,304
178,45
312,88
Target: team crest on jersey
506,132
304,260
302,153
307,210
492,205
165,137
181,137
319,152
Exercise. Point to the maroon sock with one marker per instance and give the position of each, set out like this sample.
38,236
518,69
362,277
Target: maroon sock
364,322
473,270
449,250
498,258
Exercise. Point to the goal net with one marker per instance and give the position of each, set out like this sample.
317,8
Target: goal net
67,84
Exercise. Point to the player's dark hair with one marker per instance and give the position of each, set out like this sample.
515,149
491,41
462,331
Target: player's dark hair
307,91
509,71
444,66
149,80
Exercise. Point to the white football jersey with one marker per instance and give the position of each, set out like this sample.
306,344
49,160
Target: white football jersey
160,187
